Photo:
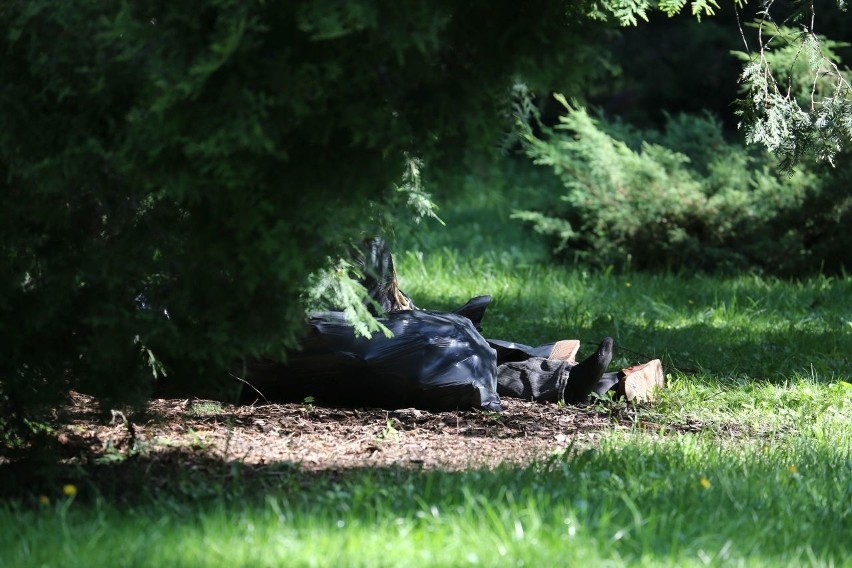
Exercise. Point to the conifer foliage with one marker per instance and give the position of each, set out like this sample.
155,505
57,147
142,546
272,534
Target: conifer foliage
173,173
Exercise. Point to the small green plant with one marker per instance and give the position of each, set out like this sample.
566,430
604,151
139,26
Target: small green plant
111,454
197,441
389,432
202,408
494,416
308,401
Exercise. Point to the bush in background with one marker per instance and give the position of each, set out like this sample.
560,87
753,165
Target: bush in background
684,197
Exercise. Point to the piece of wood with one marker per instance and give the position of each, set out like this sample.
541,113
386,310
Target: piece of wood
640,382
565,350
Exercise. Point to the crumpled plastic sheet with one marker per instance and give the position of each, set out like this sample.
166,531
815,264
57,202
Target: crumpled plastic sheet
434,361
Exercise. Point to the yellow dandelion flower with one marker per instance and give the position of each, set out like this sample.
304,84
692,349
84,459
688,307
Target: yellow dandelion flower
705,483
44,500
70,489
793,469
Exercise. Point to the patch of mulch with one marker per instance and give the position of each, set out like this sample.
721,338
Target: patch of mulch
316,439
198,447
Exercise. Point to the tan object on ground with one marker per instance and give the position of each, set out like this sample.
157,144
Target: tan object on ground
641,381
565,350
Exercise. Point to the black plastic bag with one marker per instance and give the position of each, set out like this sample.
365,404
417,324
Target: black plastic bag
434,361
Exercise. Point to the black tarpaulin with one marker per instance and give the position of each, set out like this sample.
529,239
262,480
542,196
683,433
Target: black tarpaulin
434,361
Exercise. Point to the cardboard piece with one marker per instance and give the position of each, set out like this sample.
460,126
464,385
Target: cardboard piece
640,382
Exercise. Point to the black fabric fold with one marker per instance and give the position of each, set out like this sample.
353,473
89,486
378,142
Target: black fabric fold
536,378
540,379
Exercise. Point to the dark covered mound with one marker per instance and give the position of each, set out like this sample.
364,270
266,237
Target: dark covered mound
434,361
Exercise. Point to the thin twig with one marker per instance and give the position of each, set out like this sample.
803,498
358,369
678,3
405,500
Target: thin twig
740,26
813,16
251,385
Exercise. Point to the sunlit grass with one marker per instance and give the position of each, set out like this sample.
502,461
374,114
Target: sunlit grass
768,328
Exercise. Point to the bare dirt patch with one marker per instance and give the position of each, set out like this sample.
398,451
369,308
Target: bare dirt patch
316,438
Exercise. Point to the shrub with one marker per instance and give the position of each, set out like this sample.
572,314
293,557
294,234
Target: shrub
681,197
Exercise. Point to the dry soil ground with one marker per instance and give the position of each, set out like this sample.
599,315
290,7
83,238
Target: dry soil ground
321,439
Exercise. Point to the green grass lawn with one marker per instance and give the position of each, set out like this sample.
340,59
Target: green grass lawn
760,367
637,499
